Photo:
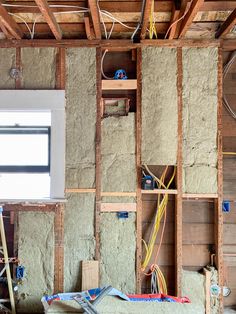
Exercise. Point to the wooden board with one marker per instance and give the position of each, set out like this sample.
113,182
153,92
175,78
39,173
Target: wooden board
90,275
119,84
118,207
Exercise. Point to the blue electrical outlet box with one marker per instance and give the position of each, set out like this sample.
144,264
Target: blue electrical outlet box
20,270
226,206
123,215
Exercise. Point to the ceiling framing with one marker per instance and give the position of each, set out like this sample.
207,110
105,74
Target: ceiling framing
61,19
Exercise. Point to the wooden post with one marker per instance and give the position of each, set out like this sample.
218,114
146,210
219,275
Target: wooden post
61,69
18,67
98,156
178,205
218,203
139,174
59,249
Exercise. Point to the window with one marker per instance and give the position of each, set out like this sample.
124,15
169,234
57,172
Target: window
32,145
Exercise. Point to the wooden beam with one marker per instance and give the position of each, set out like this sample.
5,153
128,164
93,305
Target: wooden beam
5,31
179,199
95,15
49,18
59,249
227,25
9,23
181,14
189,17
173,23
218,202
89,31
146,15
138,117
98,176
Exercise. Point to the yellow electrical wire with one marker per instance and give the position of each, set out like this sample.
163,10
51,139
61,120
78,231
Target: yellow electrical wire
161,207
152,30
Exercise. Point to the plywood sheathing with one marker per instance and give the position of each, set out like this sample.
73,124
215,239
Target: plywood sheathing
36,253
80,117
118,247
7,61
159,106
79,237
118,154
200,120
39,68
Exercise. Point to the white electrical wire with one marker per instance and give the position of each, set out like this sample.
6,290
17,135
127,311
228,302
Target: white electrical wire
19,17
225,72
106,13
102,60
178,20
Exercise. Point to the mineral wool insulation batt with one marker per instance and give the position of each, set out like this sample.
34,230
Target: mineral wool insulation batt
200,68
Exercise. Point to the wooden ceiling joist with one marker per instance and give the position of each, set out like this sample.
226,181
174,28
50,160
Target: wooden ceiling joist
189,17
95,15
49,18
146,16
173,22
182,10
88,29
227,25
9,24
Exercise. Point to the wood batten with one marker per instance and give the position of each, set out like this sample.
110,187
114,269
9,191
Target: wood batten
10,27
49,18
189,17
227,25
95,15
146,15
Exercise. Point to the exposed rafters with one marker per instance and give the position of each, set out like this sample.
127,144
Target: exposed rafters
173,23
9,23
182,10
49,18
95,15
146,16
227,25
88,29
189,17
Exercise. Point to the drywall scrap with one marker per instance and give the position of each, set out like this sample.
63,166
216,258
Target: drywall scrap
38,68
118,154
7,62
159,106
36,254
200,120
118,247
79,242
193,287
80,117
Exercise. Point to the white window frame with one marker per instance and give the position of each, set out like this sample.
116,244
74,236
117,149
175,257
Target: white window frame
54,102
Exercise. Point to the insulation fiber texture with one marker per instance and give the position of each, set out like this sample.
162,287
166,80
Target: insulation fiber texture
159,106
200,120
193,287
7,61
80,117
118,247
118,154
78,236
39,68
36,253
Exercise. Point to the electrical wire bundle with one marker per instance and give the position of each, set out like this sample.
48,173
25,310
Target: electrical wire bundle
158,283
